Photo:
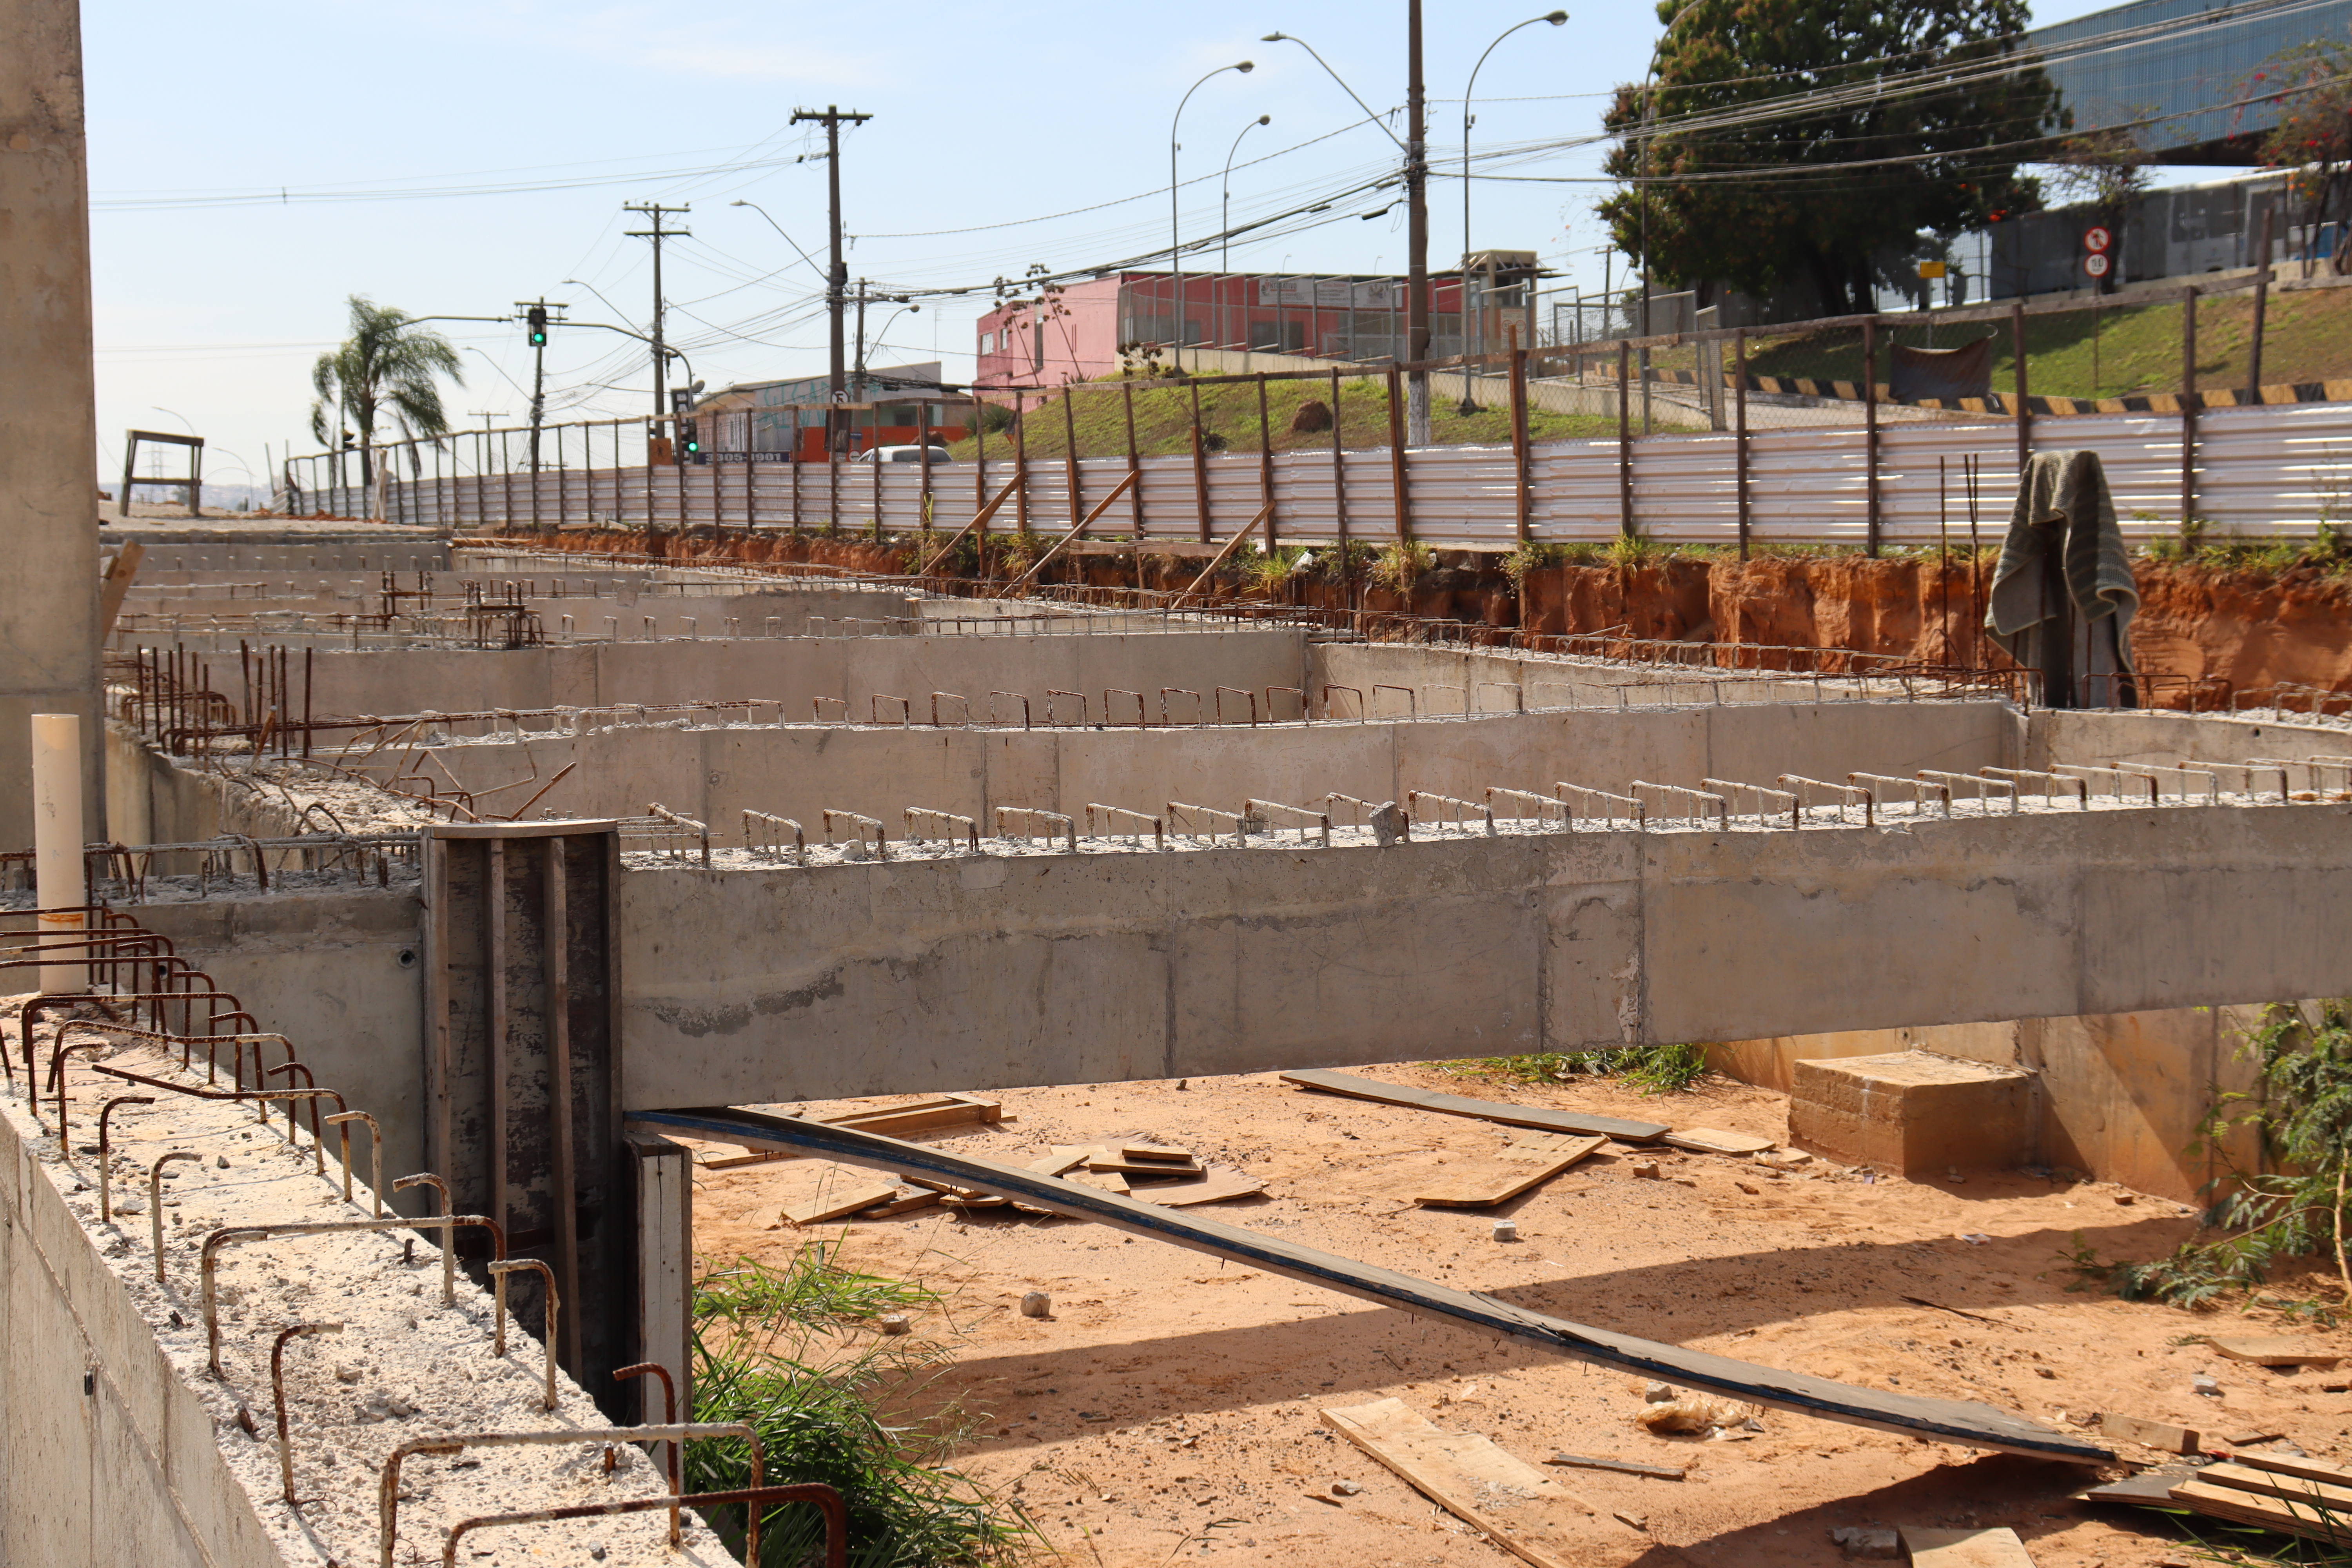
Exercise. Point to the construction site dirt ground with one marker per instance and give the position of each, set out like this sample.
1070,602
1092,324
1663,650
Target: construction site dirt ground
1169,1408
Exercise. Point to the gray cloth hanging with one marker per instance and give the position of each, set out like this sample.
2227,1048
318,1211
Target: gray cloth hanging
2063,596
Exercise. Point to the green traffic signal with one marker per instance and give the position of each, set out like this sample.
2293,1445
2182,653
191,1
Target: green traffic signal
538,320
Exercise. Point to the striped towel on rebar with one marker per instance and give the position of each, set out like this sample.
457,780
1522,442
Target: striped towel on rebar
2067,492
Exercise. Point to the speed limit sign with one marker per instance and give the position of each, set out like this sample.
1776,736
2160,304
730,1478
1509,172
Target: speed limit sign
2098,239
2095,264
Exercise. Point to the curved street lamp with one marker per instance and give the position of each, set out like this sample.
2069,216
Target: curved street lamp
1649,141
1225,222
1557,18
1175,256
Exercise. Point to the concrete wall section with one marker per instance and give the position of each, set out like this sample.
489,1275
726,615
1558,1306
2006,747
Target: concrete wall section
751,986
111,1458
2099,736
793,672
48,538
339,974
796,771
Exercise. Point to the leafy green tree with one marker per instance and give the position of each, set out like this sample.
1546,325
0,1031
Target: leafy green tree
384,370
1758,187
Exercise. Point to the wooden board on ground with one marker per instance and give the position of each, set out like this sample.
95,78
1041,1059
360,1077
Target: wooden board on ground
1060,1162
1537,1116
1619,1467
2332,1495
1102,1181
2154,1434
2272,1349
1521,1510
890,1120
1212,1186
840,1199
2298,1465
1964,1548
1127,1167
1716,1141
1164,1152
904,1200
2149,1489
2237,1507
1481,1183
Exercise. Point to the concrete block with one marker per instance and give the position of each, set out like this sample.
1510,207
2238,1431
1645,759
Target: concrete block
1913,1113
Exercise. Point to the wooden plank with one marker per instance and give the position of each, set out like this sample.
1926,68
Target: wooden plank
1060,1162
1127,1167
1164,1152
1483,1110
1102,1181
1618,1467
1482,1183
2154,1434
2263,1512
1212,1186
1963,1422
906,1200
897,1121
1716,1141
1518,1507
1964,1548
2149,1489
840,1201
2273,1350
2271,1483
2297,1465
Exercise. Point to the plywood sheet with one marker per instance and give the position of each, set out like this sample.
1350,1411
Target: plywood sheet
1525,1511
1964,1548
840,1198
1481,1183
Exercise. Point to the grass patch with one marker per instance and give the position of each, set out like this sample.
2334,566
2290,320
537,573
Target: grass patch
788,1350
1654,1069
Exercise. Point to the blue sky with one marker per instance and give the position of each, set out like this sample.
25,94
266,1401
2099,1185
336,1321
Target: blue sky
988,121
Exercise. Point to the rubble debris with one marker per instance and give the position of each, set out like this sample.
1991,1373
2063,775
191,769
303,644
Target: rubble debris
1568,1121
1036,1304
2159,1435
1645,1171
1931,1548
1867,1540
1686,1413
1507,1230
2303,1496
2206,1385
1513,1503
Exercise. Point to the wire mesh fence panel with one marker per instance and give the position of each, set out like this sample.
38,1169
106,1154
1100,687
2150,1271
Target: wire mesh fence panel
1804,379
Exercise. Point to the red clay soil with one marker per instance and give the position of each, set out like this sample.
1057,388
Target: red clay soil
2249,627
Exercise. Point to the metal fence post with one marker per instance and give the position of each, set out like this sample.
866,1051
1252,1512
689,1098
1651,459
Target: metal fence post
1396,456
1624,439
1135,467
2188,406
1199,463
1338,475
1264,464
2024,389
1521,458
2261,308
1739,439
1870,427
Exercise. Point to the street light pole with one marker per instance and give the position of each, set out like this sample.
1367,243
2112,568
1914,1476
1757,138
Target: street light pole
1225,223
1557,18
1649,141
1175,254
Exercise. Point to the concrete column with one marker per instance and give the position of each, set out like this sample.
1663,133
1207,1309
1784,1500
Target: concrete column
49,443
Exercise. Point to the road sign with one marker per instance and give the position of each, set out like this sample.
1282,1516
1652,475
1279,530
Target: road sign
2095,264
1931,269
2098,239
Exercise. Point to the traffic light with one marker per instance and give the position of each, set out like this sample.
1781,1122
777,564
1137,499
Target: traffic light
538,320
689,441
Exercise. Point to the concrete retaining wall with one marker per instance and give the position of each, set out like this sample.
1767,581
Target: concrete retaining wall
112,1459
754,986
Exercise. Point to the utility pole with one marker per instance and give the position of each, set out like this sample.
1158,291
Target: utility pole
535,317
860,377
837,277
654,211
1417,186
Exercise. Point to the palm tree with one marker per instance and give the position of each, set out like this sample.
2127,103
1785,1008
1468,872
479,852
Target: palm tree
382,369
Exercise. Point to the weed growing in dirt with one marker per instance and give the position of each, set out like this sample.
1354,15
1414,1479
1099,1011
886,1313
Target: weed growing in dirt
2301,1113
788,1351
1400,565
1654,1069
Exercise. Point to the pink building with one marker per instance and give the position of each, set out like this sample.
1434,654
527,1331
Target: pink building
1081,333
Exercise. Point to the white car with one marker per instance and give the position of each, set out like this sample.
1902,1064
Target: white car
901,455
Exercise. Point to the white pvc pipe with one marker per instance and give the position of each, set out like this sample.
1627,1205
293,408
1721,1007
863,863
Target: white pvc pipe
60,888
